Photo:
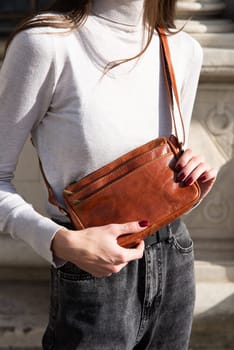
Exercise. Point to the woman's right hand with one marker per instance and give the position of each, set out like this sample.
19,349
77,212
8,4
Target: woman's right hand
95,250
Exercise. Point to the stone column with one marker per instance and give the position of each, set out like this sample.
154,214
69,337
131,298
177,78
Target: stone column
211,224
212,127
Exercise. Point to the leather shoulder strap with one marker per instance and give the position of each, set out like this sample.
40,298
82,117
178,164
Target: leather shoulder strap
171,87
51,196
170,81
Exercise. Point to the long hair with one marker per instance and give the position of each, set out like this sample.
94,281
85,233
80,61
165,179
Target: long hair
71,14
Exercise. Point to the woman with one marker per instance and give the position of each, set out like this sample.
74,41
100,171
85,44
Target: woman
85,79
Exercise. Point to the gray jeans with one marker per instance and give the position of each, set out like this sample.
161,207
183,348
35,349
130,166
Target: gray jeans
148,305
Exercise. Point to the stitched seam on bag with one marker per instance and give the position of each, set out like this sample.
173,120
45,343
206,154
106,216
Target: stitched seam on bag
177,213
118,178
162,143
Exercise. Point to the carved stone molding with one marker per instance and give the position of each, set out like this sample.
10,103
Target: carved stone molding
212,135
211,224
187,8
220,123
206,25
216,210
201,17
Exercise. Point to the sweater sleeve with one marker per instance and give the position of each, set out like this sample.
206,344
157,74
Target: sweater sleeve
27,79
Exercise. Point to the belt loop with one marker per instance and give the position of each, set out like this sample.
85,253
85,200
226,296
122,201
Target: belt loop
157,236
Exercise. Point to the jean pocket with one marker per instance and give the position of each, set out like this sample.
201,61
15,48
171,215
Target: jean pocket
182,240
72,272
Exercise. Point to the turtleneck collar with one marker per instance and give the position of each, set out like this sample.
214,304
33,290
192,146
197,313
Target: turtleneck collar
124,12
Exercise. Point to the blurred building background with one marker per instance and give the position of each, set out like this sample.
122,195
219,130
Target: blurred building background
24,275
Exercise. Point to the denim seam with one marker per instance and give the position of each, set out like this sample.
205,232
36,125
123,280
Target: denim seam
148,307
143,319
74,278
183,250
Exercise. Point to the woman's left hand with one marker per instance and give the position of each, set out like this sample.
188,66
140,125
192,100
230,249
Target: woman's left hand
191,168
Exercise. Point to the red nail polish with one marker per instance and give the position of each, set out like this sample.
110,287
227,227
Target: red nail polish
203,178
181,177
178,168
189,181
143,223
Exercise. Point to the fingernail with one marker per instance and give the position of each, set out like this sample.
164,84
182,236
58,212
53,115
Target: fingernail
181,177
178,168
203,178
143,223
189,181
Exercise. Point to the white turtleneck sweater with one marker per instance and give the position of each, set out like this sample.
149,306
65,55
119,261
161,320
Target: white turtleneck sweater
51,87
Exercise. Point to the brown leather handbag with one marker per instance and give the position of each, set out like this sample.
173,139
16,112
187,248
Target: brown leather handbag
139,185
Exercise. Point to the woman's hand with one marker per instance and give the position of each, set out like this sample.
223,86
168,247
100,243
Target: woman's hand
95,249
191,167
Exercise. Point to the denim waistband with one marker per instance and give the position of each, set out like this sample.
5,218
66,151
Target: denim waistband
161,235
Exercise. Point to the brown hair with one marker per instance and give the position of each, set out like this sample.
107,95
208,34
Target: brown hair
70,14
